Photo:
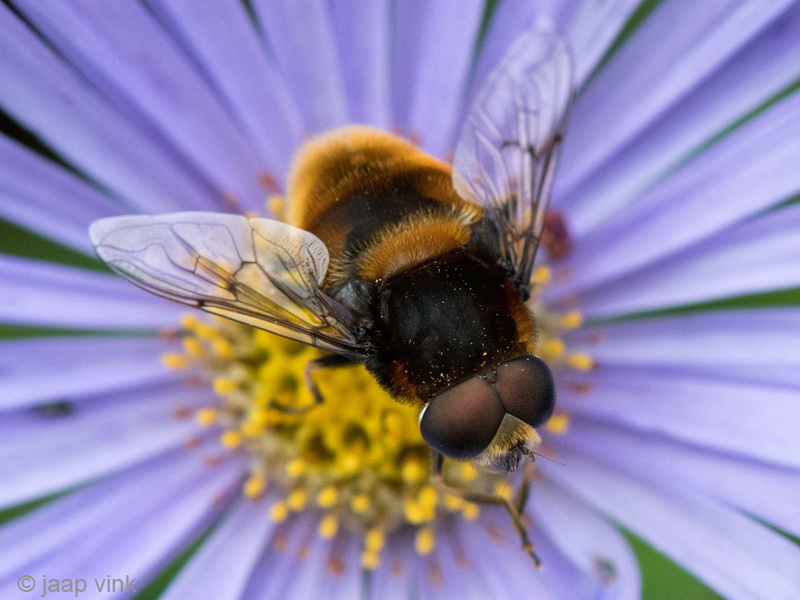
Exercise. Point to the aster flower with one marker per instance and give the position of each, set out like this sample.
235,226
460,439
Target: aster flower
678,426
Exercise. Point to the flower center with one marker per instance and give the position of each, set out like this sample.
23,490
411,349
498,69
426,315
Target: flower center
358,459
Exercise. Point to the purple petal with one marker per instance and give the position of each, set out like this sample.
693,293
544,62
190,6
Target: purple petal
393,578
758,256
479,570
113,527
746,560
44,369
509,19
315,571
764,491
128,158
745,173
590,26
224,563
760,70
254,89
363,33
33,193
124,52
676,48
508,572
40,293
408,20
754,343
740,417
345,554
440,78
313,69
588,540
102,435
275,572
441,575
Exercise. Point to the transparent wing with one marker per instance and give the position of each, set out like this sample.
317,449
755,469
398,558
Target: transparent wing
508,149
260,272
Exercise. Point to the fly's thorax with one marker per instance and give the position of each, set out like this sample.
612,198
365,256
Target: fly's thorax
448,318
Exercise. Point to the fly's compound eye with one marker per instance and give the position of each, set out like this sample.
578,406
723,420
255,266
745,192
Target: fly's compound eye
527,390
462,420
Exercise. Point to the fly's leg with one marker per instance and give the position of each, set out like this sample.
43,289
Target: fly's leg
328,361
524,489
437,479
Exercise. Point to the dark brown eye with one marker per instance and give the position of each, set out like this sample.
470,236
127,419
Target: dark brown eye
527,389
462,420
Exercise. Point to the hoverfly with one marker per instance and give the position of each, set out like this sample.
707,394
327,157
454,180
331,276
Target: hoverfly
397,260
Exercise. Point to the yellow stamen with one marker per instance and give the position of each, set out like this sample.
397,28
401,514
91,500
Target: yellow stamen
231,439
252,430
278,512
254,486
558,423
503,489
192,347
327,497
222,347
276,204
453,502
360,503
413,471
189,322
370,559
541,275
328,526
204,331
428,497
206,416
297,499
224,386
374,539
296,467
470,511
174,361
580,361
572,320
414,512
394,424
552,348
468,472
424,541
